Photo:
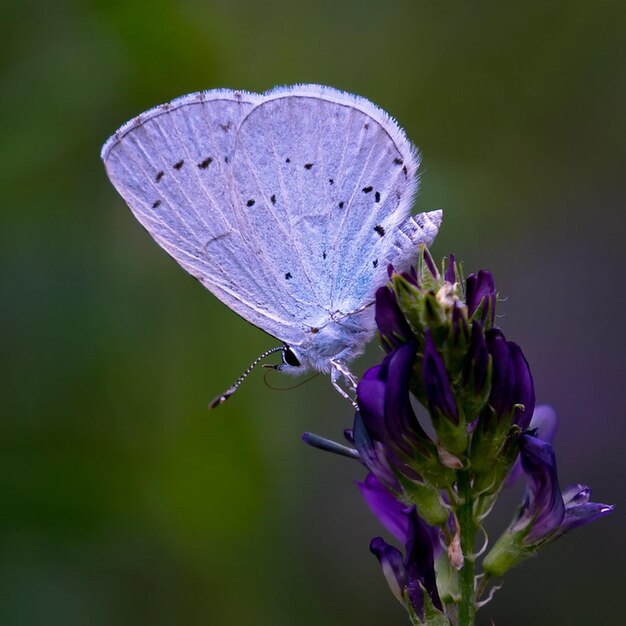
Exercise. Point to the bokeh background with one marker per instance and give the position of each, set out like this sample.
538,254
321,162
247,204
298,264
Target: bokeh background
123,501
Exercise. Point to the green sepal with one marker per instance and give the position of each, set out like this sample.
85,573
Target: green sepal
456,346
447,580
428,465
474,402
453,437
427,501
410,299
426,279
508,551
432,615
435,318
415,620
487,440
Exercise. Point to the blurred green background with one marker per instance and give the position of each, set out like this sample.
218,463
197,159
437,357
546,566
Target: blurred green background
123,501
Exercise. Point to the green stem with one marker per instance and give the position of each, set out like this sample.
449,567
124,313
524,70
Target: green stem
467,525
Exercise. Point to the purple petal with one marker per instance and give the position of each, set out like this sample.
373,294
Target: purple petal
575,495
392,564
400,420
544,422
578,509
524,392
544,508
371,400
373,454
391,323
503,372
450,275
420,565
477,366
430,264
391,513
583,514
436,384
479,288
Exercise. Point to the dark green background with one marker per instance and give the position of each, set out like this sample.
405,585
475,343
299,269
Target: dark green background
123,501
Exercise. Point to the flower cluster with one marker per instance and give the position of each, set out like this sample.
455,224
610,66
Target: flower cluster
432,493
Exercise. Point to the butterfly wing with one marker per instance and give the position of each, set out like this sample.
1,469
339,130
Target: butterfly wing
287,206
172,166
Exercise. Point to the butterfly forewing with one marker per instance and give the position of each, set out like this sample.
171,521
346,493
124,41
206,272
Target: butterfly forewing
172,166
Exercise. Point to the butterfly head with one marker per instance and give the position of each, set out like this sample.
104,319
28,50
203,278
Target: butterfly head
293,361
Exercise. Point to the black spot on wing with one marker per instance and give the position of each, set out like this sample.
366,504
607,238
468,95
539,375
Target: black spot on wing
273,199
308,166
250,202
324,255
377,196
287,160
179,164
367,189
288,276
398,161
375,263
159,176
156,204
204,164
331,181
341,204
380,230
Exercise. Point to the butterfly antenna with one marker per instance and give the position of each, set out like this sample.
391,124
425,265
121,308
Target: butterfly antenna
231,390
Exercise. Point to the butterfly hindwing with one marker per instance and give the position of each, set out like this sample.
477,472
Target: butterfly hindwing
327,176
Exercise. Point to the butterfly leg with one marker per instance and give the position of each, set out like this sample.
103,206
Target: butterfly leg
339,369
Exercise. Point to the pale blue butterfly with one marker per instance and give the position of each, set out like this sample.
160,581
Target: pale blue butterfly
288,206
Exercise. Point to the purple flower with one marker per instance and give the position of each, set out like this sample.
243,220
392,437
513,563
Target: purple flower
480,290
392,325
546,512
409,575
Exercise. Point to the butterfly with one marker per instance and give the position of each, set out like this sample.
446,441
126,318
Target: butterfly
288,206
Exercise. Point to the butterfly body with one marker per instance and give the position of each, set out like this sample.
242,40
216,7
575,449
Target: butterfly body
288,206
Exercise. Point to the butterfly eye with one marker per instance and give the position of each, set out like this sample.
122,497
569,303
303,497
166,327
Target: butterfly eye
290,358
